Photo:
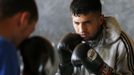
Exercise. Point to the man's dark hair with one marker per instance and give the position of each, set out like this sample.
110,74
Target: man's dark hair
85,6
9,8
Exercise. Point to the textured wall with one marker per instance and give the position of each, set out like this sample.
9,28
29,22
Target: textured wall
55,19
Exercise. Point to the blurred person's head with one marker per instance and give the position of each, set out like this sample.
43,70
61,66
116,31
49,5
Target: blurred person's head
17,19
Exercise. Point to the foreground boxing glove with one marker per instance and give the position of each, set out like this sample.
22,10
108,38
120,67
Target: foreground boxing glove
65,48
36,51
87,56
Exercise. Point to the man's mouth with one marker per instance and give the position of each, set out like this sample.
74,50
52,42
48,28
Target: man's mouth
84,35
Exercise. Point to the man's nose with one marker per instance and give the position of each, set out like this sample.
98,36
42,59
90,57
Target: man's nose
81,28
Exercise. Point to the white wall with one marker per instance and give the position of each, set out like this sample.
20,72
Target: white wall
55,19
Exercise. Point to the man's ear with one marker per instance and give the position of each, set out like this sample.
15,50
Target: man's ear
24,18
101,19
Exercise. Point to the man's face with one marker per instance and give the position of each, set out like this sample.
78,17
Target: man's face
87,25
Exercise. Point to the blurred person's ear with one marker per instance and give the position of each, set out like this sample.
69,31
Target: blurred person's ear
23,19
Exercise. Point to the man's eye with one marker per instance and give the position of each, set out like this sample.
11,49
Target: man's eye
77,23
87,23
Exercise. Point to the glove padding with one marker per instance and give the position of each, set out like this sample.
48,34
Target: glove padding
87,56
65,48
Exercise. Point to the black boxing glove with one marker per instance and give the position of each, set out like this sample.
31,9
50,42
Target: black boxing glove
35,52
87,56
65,48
